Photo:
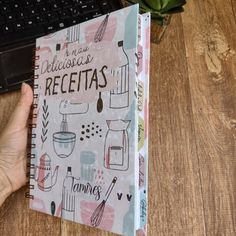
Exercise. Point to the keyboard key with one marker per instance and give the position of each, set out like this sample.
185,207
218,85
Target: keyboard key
4,8
64,14
52,16
86,17
39,2
62,24
75,20
6,29
104,3
32,12
74,11
16,6
96,14
21,16
30,23
89,7
55,7
20,36
106,10
40,19
65,3
20,25
50,27
10,17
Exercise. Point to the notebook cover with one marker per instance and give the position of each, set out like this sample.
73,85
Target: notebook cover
85,138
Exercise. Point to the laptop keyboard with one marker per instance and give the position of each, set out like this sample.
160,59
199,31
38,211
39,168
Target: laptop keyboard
22,21
27,19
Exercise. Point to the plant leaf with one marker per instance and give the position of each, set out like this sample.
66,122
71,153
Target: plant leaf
170,4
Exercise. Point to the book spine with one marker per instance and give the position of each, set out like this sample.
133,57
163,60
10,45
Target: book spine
32,126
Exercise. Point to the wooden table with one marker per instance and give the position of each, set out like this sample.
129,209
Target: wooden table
192,170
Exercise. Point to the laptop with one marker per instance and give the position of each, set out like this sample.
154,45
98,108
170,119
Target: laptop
22,21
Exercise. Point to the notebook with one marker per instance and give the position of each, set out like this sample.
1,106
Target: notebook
89,146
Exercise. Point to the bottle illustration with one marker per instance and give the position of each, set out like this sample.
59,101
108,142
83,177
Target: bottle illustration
119,97
43,174
68,197
117,145
128,220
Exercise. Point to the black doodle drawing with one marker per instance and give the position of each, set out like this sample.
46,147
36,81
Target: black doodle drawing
64,141
119,195
100,103
45,122
53,208
128,196
116,153
43,174
73,34
101,30
98,212
71,188
68,197
58,47
119,97
90,130
73,108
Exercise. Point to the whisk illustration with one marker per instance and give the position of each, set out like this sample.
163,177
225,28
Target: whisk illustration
101,30
97,215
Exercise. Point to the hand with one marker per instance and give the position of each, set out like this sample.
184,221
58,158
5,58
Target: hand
13,143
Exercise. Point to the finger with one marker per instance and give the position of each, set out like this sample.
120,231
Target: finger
20,115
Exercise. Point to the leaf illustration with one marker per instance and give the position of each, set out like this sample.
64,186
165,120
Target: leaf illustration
45,122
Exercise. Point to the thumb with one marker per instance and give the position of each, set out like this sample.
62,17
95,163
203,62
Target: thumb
20,115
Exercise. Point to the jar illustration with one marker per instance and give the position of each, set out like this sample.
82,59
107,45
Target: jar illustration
119,97
116,155
87,159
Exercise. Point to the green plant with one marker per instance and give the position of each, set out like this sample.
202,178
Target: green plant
159,9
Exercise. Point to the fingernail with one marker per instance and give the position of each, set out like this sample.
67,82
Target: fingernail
23,88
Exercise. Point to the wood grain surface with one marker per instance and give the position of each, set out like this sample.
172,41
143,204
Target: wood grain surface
192,170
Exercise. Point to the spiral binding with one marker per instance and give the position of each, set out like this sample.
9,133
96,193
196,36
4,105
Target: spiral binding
32,125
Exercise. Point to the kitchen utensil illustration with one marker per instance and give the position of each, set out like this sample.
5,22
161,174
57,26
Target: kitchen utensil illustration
87,208
53,208
43,174
101,30
99,103
119,97
64,141
87,159
68,197
117,145
73,34
64,124
58,47
73,108
98,213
